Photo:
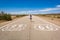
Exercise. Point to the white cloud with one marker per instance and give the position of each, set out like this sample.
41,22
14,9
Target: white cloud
46,10
58,6
50,9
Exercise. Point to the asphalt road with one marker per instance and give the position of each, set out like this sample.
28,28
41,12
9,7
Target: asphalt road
24,29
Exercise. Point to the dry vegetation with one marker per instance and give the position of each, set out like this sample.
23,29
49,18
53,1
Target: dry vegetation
50,15
8,17
53,18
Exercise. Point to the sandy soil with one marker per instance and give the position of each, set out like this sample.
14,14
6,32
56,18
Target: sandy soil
52,20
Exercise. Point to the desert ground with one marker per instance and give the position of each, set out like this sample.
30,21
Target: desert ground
51,19
39,28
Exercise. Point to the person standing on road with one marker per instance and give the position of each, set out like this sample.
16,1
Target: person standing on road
30,17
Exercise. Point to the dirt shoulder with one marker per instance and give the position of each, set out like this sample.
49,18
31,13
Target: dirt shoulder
52,20
6,22
3,22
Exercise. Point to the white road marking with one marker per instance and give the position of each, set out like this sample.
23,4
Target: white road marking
42,28
46,27
13,27
49,27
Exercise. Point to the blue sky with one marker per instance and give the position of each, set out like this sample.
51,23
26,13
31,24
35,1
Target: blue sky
30,6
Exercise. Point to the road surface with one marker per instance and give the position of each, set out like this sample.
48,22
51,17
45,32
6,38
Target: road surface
24,29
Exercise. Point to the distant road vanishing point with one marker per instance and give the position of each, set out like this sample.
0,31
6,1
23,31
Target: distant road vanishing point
25,29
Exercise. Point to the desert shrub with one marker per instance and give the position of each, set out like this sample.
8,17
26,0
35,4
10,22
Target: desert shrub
17,15
58,17
20,15
5,17
43,15
0,17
